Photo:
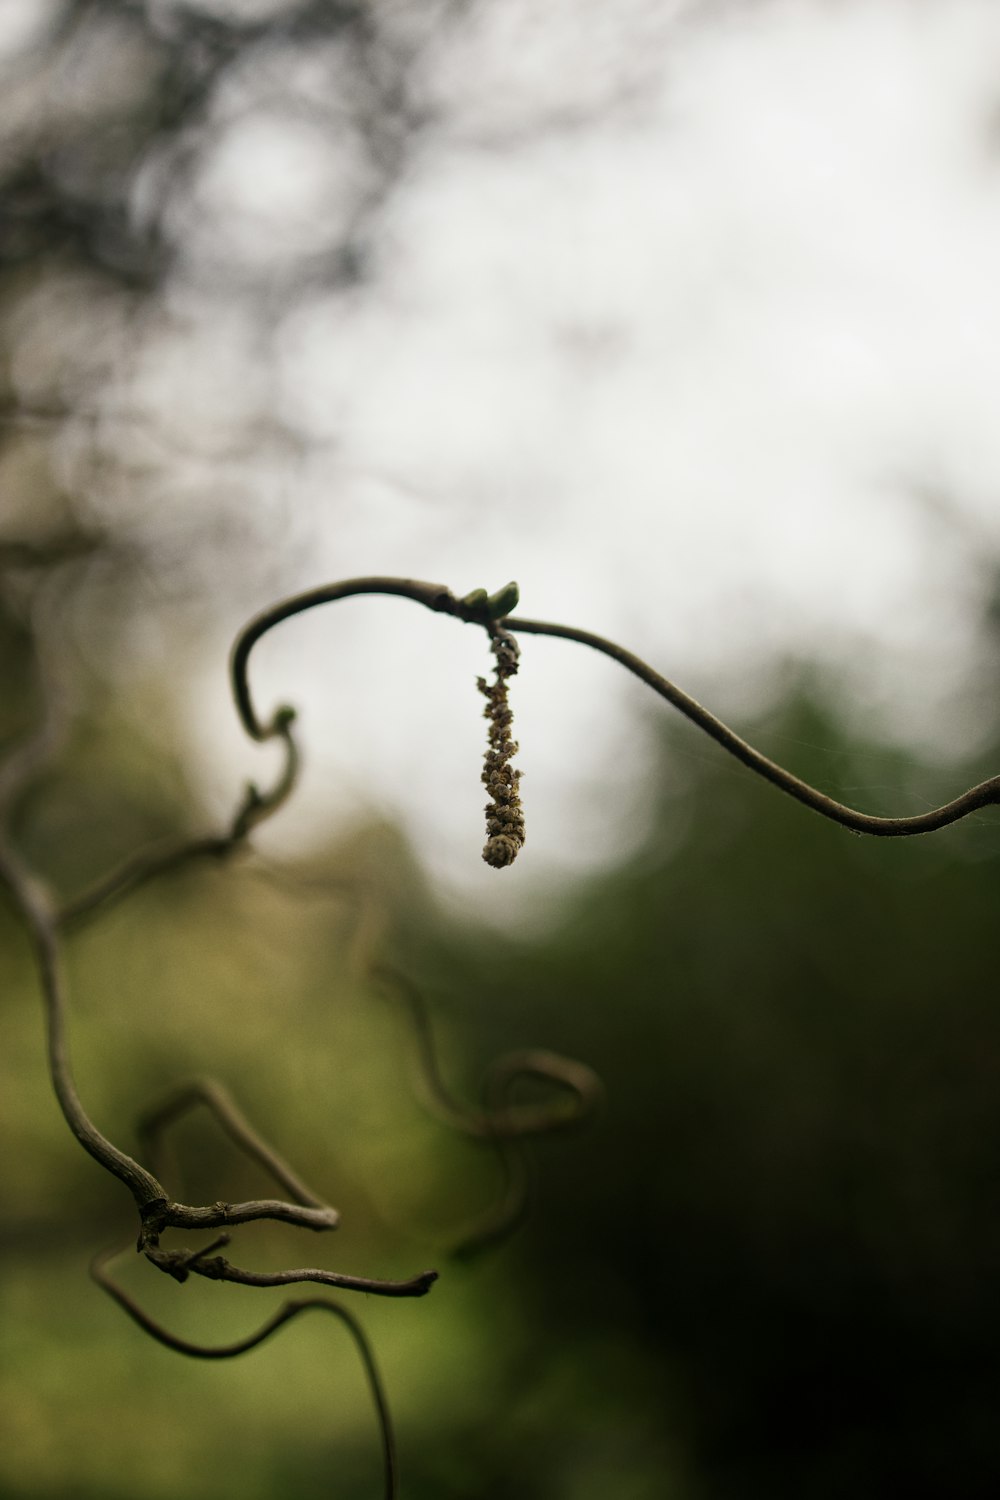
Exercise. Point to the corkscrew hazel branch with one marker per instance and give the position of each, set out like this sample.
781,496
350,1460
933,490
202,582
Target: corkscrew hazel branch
157,1212
477,608
285,1314
43,919
500,1124
984,794
307,1212
186,1096
252,810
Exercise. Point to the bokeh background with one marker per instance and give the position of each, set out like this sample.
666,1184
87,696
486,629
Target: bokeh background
686,316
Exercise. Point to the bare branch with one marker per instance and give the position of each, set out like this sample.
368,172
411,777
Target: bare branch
477,610
502,1123
985,794
136,871
432,595
504,1126
500,1120
309,1212
141,868
180,1263
214,1215
154,1123
156,1210
285,1314
36,908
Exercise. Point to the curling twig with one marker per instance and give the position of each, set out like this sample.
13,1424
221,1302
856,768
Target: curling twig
185,1097
984,794
500,1124
157,1211
477,609
285,1314
136,871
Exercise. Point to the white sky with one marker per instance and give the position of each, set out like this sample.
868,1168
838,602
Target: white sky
685,316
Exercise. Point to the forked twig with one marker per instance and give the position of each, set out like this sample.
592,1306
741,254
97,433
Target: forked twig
285,1314
154,1123
157,1211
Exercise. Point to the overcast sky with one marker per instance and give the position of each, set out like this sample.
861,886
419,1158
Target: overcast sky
686,316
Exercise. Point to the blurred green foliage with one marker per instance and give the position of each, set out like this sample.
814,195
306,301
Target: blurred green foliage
768,1269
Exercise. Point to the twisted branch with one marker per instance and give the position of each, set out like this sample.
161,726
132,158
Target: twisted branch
285,1314
501,1124
476,609
984,794
147,865
44,920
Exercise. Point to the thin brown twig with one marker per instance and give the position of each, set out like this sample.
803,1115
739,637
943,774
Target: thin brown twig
136,871
157,1211
500,1120
984,794
441,600
43,919
186,1096
36,909
147,865
284,1314
181,1263
501,1124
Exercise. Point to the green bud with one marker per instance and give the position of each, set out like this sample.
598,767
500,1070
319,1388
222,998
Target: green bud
503,601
